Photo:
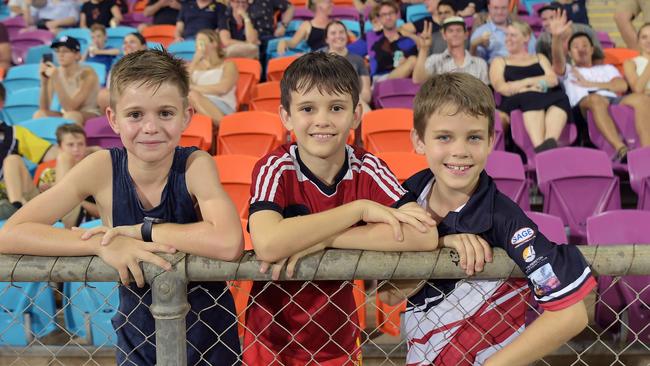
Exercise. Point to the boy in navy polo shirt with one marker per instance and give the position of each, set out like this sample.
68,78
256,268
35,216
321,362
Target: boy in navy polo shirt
460,322
310,195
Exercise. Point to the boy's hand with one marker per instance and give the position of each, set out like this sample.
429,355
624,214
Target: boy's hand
131,231
377,213
125,254
276,268
473,251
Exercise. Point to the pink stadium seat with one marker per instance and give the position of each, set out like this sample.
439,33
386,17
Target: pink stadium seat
302,14
345,12
14,25
623,117
394,93
577,183
99,133
508,173
639,167
25,40
631,294
499,142
605,41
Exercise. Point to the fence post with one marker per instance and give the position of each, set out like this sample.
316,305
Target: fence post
169,307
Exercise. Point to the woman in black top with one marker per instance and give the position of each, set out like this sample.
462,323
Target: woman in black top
312,31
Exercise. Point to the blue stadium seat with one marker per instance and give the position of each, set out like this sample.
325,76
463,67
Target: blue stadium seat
21,105
367,26
272,46
22,77
154,45
81,34
352,26
292,27
416,12
35,54
183,49
26,311
115,36
100,70
45,128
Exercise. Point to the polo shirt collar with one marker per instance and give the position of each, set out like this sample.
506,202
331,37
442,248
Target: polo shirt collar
327,189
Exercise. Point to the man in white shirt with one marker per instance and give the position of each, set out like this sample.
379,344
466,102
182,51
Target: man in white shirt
594,87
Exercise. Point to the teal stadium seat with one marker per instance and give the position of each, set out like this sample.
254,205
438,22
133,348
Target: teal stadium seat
115,36
183,49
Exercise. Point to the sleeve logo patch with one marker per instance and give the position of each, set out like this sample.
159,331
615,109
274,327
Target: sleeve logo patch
522,236
544,280
529,254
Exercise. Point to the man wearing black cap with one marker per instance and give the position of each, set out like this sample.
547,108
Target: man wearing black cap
549,12
455,58
76,85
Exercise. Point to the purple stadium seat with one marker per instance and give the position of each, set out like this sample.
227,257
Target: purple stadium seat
302,14
605,41
630,294
345,12
395,93
14,25
638,163
508,173
520,137
499,142
534,21
24,40
99,133
577,183
623,117
134,19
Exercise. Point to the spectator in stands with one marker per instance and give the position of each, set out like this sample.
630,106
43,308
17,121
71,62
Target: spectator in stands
467,8
489,40
98,50
637,75
5,48
549,12
418,25
445,9
262,13
455,58
337,41
392,55
163,11
76,85
212,78
237,32
576,10
51,14
104,12
15,7
626,12
313,31
132,42
594,87
527,83
196,15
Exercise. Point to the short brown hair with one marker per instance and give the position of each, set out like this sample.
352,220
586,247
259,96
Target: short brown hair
389,3
98,27
328,72
151,68
69,129
458,90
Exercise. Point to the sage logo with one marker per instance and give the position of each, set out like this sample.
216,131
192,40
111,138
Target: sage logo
522,235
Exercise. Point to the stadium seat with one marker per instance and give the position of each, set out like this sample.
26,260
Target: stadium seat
367,26
41,167
577,183
353,26
241,291
623,117
22,42
100,70
298,3
388,317
303,14
272,47
45,128
345,12
639,167
90,306
235,173
509,175
386,130
266,97
292,27
251,133
14,25
135,19
198,133
416,12
533,21
521,139
154,45
250,72
343,2
275,68
627,299
499,141
549,225
616,56
403,163
81,34
529,4
27,310
35,54
21,105
99,133
22,77
161,33
183,49
605,40
394,93
115,36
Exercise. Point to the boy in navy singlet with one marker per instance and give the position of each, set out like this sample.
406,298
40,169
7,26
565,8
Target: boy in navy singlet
460,322
150,178
310,195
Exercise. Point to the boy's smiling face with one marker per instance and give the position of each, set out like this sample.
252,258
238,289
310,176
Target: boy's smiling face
150,121
321,123
456,146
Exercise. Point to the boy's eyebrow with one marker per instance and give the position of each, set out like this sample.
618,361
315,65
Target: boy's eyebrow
129,108
469,132
329,101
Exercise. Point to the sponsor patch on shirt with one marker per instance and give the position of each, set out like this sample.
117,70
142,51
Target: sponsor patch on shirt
544,280
522,236
529,254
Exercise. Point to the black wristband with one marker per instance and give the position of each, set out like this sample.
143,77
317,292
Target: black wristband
145,230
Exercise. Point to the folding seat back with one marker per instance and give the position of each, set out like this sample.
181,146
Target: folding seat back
266,97
385,130
395,93
623,117
403,163
549,225
345,12
27,311
605,40
198,133
235,173
275,68
638,162
14,25
88,309
80,34
135,19
577,183
303,14
183,49
251,133
626,300
35,54
161,33
272,49
45,128
508,173
99,133
617,56
99,69
22,77
353,26
115,36
250,72
499,141
22,42
21,105
416,12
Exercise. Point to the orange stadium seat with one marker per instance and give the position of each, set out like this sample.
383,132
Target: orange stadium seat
616,56
235,172
388,320
276,66
240,291
298,3
266,97
403,164
250,72
388,129
138,6
251,133
161,33
198,133
359,294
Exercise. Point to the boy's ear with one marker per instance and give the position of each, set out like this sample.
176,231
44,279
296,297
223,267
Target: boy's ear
418,145
285,116
358,113
110,114
189,113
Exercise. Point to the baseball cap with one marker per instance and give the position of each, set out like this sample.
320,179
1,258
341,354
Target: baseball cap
554,5
67,42
453,20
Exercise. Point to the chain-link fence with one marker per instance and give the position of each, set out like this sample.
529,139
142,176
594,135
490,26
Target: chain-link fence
342,307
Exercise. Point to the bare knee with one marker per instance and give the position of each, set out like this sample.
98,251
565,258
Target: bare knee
41,113
64,158
75,117
595,103
12,160
636,100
